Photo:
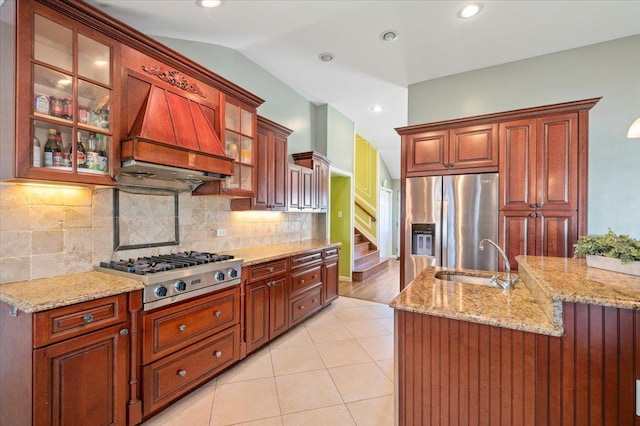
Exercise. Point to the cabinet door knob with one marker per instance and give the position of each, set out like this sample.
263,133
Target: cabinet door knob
217,354
87,318
124,332
182,327
218,314
315,276
313,300
270,269
182,373
301,281
301,307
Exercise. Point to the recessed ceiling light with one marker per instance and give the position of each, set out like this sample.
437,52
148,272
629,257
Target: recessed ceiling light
326,57
389,35
470,10
209,3
377,108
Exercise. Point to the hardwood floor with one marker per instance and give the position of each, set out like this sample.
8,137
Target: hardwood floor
381,288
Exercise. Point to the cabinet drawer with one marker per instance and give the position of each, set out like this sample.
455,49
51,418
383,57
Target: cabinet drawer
306,305
171,329
63,323
265,270
332,252
301,281
169,378
306,259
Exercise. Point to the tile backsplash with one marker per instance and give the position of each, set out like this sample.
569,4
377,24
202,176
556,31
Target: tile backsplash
48,231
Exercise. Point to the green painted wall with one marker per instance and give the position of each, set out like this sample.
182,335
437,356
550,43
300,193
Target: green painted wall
341,210
366,186
610,70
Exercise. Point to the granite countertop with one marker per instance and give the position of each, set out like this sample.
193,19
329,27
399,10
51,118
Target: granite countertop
535,304
255,255
48,293
516,308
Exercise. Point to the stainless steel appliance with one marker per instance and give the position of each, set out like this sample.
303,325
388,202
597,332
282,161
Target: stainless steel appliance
446,217
180,276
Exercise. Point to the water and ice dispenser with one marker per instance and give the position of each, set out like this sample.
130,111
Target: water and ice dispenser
423,239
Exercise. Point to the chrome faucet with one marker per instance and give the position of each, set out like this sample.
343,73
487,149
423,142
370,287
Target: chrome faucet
507,283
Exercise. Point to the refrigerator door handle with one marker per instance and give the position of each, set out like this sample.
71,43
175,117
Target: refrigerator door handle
443,247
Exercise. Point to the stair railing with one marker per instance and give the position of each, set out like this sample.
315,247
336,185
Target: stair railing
373,218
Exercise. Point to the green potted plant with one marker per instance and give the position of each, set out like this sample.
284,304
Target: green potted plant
619,253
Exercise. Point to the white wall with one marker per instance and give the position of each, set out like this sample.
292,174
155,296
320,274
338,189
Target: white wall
610,70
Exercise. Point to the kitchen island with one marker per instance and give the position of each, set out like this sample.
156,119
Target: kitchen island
563,346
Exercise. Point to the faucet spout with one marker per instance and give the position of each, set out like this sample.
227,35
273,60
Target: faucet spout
505,284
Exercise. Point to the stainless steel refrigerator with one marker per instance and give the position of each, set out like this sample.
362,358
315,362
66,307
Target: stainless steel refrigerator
446,217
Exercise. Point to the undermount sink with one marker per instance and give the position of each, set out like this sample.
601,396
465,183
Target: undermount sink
465,279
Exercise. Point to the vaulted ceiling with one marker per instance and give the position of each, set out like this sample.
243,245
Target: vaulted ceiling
285,37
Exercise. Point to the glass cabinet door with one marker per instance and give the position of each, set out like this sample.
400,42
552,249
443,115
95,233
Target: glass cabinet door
72,87
239,144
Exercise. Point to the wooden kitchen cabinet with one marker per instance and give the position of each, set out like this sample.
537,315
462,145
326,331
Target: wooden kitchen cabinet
542,182
266,303
299,188
306,288
271,169
80,362
186,344
319,164
331,274
65,82
451,151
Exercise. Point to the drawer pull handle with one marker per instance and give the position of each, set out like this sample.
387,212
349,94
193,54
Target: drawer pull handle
182,373
218,354
182,327
315,276
301,307
218,314
270,269
313,300
87,318
301,281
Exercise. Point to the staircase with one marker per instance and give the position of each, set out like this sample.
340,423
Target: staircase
366,258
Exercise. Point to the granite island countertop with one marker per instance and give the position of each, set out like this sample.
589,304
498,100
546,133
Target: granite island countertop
255,255
48,293
534,305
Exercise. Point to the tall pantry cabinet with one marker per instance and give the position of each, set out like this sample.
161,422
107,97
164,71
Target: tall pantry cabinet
541,156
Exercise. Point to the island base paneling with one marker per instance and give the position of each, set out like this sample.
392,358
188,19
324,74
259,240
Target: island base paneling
458,372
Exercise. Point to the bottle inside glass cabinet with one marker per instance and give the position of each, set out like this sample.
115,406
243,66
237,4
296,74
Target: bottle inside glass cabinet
52,151
37,151
93,160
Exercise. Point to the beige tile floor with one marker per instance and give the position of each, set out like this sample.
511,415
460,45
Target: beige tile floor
334,369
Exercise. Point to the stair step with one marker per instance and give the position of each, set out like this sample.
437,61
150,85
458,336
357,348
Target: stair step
370,257
367,271
361,248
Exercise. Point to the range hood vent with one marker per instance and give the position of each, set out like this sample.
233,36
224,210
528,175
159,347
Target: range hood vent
170,131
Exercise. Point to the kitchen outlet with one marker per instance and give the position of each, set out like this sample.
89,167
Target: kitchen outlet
221,232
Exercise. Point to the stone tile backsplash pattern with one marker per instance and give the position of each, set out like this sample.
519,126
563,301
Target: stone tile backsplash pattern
49,231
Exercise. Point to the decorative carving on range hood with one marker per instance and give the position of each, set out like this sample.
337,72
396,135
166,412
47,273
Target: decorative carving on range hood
174,78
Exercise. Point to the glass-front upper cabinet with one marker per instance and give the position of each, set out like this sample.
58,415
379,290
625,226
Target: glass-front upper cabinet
239,143
72,92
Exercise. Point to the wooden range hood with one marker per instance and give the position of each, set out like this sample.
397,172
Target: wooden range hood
168,128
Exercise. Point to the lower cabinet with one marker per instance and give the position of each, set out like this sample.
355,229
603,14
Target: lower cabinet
282,293
266,310
331,275
70,365
82,381
186,344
